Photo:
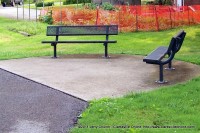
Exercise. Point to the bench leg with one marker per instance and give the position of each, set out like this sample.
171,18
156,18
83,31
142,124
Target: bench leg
54,51
106,50
161,80
170,66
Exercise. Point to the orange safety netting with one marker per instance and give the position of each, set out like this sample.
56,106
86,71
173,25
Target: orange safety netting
130,18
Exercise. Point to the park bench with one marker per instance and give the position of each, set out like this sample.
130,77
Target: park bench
158,56
89,30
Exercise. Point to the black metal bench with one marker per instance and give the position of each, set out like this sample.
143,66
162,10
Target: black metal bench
158,55
91,30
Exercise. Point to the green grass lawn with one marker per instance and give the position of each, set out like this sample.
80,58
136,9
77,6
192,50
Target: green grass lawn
137,43
176,105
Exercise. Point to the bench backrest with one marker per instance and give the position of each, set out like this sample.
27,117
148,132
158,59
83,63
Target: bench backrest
176,42
82,30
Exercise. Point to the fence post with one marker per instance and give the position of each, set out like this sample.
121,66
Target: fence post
23,10
188,15
182,13
157,23
97,16
119,20
60,13
29,7
17,12
170,16
36,11
192,10
136,18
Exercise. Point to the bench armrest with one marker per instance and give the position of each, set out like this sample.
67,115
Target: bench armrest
168,59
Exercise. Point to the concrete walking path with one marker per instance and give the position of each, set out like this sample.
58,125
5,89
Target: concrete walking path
92,77
11,12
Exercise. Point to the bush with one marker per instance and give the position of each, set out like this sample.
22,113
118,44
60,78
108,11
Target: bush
6,1
108,6
92,6
67,2
87,1
163,2
40,4
150,3
47,18
49,4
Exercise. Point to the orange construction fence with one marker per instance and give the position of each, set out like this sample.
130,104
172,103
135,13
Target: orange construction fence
130,18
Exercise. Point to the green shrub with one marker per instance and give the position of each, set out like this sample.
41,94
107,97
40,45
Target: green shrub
108,6
88,1
47,18
168,2
92,6
67,2
40,4
163,2
6,1
49,4
149,3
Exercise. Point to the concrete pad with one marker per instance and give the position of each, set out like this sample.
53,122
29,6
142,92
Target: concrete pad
91,76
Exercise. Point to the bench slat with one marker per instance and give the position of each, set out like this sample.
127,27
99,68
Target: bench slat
82,30
110,41
156,55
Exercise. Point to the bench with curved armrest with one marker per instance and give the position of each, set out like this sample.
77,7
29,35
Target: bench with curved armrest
158,56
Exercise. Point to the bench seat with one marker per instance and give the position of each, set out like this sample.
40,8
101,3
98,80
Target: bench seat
156,56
